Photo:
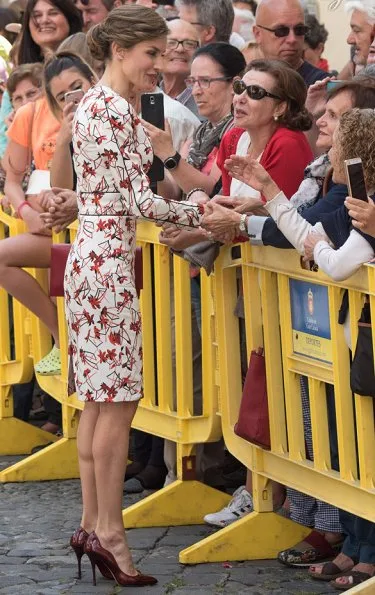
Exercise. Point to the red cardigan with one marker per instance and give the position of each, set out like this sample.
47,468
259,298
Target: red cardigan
284,158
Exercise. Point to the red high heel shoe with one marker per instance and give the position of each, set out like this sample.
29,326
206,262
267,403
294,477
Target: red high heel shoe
77,542
98,555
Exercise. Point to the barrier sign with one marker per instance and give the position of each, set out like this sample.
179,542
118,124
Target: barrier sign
310,320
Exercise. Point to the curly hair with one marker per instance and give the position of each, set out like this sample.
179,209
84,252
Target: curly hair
356,136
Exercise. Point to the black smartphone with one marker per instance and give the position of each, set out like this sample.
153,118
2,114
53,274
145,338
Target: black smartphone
152,107
356,179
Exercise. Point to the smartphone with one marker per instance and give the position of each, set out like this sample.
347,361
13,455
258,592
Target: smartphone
152,107
74,97
332,84
355,178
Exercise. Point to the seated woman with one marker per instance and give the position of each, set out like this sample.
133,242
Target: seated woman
33,133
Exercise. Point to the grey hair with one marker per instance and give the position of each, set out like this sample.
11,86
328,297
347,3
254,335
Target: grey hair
365,6
247,23
367,71
218,13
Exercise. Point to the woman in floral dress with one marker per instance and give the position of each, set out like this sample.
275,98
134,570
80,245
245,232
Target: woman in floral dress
112,153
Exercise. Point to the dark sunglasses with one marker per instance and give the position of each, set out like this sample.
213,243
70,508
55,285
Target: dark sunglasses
284,30
253,91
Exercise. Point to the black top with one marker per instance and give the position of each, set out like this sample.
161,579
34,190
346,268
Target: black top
311,74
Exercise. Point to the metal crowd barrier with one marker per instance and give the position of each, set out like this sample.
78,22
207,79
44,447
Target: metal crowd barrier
294,314
167,409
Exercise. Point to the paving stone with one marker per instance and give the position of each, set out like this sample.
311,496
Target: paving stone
38,518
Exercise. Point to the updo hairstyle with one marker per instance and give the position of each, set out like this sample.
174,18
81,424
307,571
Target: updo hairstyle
127,26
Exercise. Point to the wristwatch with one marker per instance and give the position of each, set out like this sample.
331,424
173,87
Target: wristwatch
243,223
172,162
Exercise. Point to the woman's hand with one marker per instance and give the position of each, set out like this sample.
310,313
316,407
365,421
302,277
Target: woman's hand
161,140
220,221
317,96
199,198
253,174
179,239
62,212
46,199
64,136
362,213
34,222
241,204
310,243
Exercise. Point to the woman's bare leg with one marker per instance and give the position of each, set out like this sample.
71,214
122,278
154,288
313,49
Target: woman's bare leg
28,250
85,437
110,450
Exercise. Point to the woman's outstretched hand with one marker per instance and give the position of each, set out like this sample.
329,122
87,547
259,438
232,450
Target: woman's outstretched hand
310,242
252,173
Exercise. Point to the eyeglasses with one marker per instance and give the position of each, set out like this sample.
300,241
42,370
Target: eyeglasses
205,82
187,44
253,91
284,30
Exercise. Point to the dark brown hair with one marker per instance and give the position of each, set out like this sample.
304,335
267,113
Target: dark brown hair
127,26
291,88
28,50
361,88
34,72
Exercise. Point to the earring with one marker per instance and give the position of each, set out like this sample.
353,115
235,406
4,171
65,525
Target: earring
276,118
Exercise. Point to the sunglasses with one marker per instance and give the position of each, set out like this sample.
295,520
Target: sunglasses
253,91
284,30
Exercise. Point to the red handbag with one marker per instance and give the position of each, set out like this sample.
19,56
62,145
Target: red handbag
253,419
59,256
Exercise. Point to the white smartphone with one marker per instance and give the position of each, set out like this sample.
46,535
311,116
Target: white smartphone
74,97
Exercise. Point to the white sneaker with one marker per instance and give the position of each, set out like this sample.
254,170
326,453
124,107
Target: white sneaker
240,505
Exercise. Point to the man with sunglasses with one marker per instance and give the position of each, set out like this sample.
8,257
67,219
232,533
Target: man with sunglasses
280,33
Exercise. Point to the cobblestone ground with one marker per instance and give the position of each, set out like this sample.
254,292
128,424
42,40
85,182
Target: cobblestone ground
37,519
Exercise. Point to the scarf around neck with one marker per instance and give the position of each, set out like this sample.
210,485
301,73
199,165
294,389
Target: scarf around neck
205,139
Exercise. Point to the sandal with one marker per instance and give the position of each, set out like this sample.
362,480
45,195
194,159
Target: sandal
357,579
321,551
330,571
50,365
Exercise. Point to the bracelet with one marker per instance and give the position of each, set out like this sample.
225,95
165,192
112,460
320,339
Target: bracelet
20,207
189,194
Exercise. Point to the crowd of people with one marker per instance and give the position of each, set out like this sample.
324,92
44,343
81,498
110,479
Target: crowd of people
247,90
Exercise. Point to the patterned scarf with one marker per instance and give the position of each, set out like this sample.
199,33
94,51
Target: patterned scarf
205,139
312,184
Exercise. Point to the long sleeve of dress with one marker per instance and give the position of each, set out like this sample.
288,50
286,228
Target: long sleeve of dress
125,140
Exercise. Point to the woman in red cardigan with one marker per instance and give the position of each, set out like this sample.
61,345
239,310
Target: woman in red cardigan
270,119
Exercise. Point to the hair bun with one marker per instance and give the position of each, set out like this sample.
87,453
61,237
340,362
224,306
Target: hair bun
98,42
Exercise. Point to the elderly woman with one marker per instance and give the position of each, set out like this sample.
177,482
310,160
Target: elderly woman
339,249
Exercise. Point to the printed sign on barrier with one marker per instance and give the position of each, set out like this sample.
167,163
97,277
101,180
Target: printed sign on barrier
310,320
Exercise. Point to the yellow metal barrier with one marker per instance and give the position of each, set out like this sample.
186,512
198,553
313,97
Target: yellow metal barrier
16,365
270,278
167,409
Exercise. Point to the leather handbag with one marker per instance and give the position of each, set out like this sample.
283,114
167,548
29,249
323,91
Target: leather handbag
362,377
253,420
59,256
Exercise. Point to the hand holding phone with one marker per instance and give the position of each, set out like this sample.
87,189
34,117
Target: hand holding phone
74,97
356,179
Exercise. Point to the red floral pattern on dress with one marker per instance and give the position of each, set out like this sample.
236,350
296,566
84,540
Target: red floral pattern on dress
112,154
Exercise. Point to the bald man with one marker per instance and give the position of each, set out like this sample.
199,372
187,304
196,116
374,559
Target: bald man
280,33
